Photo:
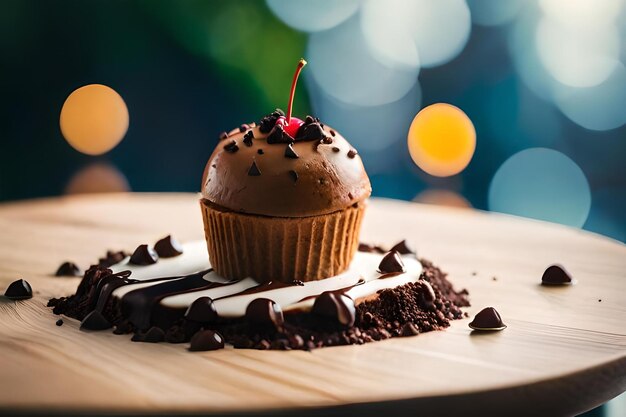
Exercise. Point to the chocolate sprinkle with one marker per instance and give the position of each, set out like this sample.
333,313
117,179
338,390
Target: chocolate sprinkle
19,290
143,255
351,153
327,140
168,247
59,322
95,321
294,175
391,262
201,310
260,151
223,135
336,306
231,147
487,319
332,132
247,138
409,329
254,170
403,248
290,153
205,340
68,269
265,312
335,149
268,122
556,275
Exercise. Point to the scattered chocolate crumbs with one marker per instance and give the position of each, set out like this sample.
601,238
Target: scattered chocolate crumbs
260,151
168,247
351,153
223,135
487,319
247,138
298,283
294,175
409,329
391,262
290,153
59,322
206,340
19,290
144,255
68,269
556,275
268,122
231,147
254,170
335,149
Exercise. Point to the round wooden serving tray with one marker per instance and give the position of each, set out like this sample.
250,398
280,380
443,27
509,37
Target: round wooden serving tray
564,350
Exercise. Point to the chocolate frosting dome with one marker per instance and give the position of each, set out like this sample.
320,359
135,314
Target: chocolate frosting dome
269,173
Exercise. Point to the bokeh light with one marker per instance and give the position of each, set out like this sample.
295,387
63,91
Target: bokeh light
442,140
439,197
342,65
542,184
494,12
313,16
94,119
99,177
582,11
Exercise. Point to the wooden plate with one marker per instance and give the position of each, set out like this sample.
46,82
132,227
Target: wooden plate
564,350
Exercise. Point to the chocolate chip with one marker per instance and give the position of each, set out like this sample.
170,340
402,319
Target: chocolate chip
59,322
243,128
168,247
327,140
296,341
143,255
335,149
112,258
268,122
426,290
294,175
336,306
260,151
391,262
68,269
332,132
409,329
201,310
254,170
95,321
403,248
487,319
556,275
366,247
290,153
231,147
308,120
19,290
154,335
223,135
247,138
278,135
312,131
205,340
265,312
351,153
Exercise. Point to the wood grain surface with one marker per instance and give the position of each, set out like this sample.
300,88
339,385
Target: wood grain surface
564,351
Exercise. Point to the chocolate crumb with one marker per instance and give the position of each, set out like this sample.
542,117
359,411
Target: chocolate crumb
247,138
599,300
168,247
366,247
298,283
223,135
556,275
494,278
205,340
19,290
294,175
68,269
488,319
290,153
474,273
351,153
143,255
391,262
335,149
268,122
254,170
59,322
231,147
95,321
260,151
327,140
409,329
332,132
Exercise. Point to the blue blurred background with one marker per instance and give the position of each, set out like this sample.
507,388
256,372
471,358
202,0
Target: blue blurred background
543,82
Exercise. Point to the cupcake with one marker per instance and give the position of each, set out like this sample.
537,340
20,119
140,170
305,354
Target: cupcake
283,200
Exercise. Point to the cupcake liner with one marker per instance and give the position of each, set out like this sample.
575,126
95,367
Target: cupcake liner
281,248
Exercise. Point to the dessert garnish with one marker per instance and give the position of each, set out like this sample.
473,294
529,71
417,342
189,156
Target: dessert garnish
68,269
391,263
247,138
556,275
144,255
265,312
409,329
201,310
351,153
231,147
254,170
19,290
59,322
112,258
168,247
290,153
487,319
336,306
95,321
205,340
403,248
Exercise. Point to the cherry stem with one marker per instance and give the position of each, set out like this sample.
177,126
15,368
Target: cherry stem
301,65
